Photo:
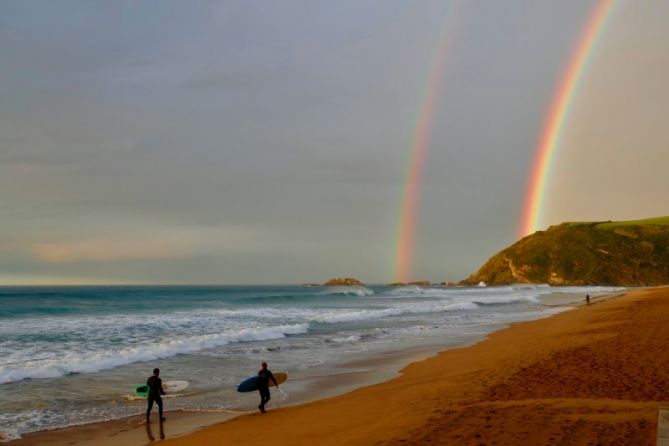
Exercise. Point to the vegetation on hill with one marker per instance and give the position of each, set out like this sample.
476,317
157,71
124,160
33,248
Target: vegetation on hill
626,253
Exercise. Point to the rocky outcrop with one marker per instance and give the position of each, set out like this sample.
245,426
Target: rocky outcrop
420,283
343,281
448,283
597,253
415,283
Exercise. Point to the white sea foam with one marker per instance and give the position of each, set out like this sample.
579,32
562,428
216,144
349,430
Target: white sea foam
82,360
498,300
346,339
415,291
345,290
38,361
346,314
484,290
409,289
14,425
329,316
483,295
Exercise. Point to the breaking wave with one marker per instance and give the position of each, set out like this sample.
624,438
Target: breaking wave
63,363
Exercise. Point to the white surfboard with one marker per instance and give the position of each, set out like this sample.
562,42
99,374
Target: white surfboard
174,386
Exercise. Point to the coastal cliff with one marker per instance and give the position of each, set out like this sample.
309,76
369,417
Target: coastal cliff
631,253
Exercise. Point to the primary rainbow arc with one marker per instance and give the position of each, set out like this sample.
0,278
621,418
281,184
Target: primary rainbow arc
558,115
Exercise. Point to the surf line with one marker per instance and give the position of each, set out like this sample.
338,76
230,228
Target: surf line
558,116
420,145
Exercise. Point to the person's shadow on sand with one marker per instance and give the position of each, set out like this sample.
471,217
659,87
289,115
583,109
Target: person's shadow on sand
149,431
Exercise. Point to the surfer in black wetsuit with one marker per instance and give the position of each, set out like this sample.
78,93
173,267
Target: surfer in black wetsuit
155,390
264,376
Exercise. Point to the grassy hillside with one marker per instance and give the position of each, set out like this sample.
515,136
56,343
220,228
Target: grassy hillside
658,221
585,253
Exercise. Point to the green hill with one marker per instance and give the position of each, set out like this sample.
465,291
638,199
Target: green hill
626,253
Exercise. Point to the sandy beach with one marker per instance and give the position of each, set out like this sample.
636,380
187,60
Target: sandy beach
594,375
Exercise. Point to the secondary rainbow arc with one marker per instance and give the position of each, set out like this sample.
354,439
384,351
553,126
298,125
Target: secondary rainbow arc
420,145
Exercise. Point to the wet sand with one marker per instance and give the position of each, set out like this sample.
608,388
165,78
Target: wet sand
596,375
302,388
129,431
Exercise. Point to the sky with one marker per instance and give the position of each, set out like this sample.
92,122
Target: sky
268,142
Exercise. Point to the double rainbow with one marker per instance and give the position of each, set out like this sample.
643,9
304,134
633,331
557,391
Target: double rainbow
548,142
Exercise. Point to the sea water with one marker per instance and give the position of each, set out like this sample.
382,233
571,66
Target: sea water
72,355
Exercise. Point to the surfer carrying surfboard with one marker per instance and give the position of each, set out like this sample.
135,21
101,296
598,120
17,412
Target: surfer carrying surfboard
264,376
155,390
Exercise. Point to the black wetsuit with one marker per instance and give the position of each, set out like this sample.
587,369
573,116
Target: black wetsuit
264,376
155,390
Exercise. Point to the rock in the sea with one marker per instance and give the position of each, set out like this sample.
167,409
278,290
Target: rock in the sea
420,283
345,281
415,283
448,283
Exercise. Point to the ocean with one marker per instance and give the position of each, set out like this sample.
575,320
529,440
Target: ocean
72,355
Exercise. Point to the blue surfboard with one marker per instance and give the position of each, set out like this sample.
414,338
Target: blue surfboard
250,384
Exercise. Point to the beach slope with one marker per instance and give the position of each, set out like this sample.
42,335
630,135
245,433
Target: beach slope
595,375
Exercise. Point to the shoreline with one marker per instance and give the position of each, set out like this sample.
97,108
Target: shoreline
131,430
380,369
305,386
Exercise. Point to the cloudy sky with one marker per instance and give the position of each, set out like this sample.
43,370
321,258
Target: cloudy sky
268,141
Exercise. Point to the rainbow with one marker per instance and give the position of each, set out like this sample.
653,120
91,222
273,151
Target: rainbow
420,144
558,116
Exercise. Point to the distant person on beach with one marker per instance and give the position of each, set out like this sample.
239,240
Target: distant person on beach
264,376
155,391
587,299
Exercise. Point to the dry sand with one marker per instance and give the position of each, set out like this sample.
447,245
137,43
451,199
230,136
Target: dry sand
596,375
